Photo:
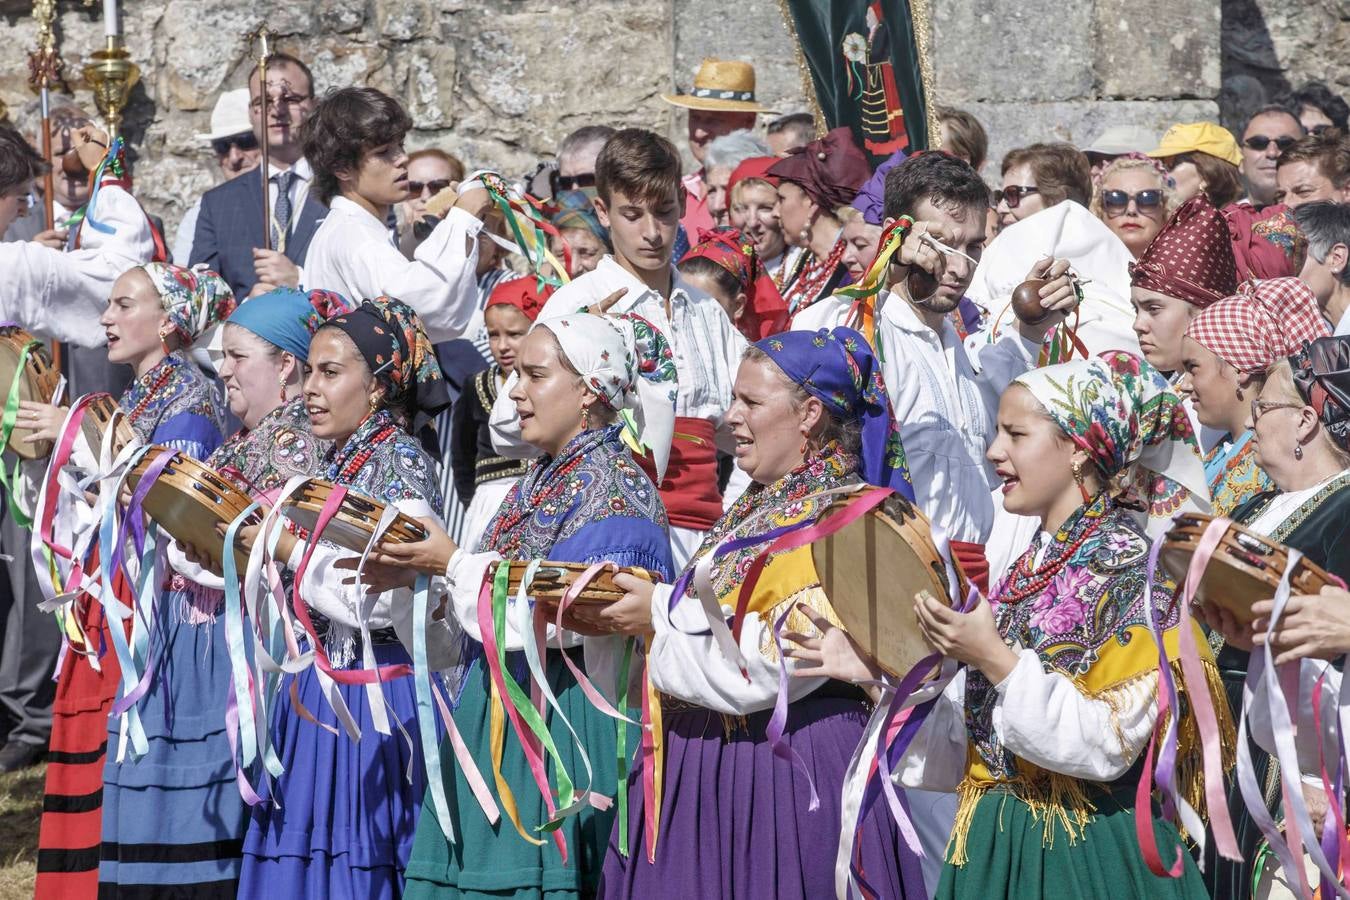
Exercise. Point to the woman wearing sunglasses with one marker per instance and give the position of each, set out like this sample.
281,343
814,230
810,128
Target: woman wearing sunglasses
1039,177
1134,199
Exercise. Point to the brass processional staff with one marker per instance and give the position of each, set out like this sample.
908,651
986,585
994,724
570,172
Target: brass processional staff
261,39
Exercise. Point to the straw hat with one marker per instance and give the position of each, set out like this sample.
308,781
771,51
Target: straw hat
229,117
721,85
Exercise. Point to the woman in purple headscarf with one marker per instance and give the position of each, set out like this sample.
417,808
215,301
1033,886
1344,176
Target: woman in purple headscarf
733,814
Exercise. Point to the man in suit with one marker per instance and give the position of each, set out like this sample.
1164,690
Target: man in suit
229,236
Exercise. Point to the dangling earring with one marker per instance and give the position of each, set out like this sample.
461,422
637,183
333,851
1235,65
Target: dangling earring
1077,468
585,418
282,385
1298,451
806,447
164,342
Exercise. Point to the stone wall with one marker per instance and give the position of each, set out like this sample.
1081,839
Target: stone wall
501,81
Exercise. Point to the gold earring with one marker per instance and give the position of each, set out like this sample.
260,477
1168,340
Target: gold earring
164,341
585,418
1077,468
281,383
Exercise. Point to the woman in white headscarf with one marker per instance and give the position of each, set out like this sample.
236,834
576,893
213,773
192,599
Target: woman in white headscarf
583,382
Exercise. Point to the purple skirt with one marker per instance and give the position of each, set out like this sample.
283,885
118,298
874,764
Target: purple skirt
735,822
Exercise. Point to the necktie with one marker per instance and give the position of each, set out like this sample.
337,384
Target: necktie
281,210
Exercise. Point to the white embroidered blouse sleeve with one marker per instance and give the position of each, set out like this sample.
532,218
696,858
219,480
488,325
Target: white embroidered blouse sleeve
936,759
692,667
1045,719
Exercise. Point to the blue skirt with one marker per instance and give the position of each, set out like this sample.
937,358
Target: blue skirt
342,824
175,818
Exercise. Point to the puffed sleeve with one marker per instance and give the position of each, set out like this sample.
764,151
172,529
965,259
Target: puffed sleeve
1045,719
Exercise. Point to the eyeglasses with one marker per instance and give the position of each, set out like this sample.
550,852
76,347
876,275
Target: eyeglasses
417,187
561,183
1013,194
1259,142
283,100
1260,407
246,141
1119,200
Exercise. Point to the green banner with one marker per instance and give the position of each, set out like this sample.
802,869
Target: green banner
865,68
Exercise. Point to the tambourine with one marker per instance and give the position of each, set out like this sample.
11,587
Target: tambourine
37,383
355,520
1244,568
871,569
100,414
552,579
188,500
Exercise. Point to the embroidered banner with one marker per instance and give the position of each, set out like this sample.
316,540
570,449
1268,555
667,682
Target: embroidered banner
868,65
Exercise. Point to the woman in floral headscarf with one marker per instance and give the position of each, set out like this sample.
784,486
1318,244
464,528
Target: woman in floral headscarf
584,381
155,314
341,821
181,797
1042,736
724,264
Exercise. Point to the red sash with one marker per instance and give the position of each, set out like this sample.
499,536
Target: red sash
690,488
970,557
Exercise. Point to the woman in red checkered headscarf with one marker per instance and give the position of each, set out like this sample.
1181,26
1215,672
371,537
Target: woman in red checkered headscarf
1227,348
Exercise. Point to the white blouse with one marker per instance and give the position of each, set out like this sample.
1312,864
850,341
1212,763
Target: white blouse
1041,717
945,397
61,295
353,254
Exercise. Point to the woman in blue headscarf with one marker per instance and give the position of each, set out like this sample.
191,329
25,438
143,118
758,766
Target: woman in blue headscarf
733,814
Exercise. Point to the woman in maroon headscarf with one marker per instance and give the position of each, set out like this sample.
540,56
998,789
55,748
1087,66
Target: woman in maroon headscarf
1188,266
812,183
724,265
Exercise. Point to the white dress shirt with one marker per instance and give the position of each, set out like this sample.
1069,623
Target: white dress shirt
60,295
187,231
945,398
1343,326
353,254
706,347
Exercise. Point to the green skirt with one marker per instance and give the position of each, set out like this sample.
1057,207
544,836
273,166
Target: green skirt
1008,856
494,860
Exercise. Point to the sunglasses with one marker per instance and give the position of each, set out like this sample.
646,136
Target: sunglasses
561,183
415,188
245,141
1118,200
1259,142
1013,194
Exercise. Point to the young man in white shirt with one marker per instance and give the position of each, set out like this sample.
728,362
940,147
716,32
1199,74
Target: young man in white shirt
354,142
640,200
945,393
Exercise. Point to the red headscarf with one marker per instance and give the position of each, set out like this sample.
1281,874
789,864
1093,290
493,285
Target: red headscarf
1266,243
522,293
1191,258
765,313
1263,322
753,167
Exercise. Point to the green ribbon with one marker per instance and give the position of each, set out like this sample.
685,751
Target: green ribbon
524,708
7,422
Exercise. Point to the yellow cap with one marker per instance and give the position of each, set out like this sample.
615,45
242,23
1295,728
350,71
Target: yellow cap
1199,137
